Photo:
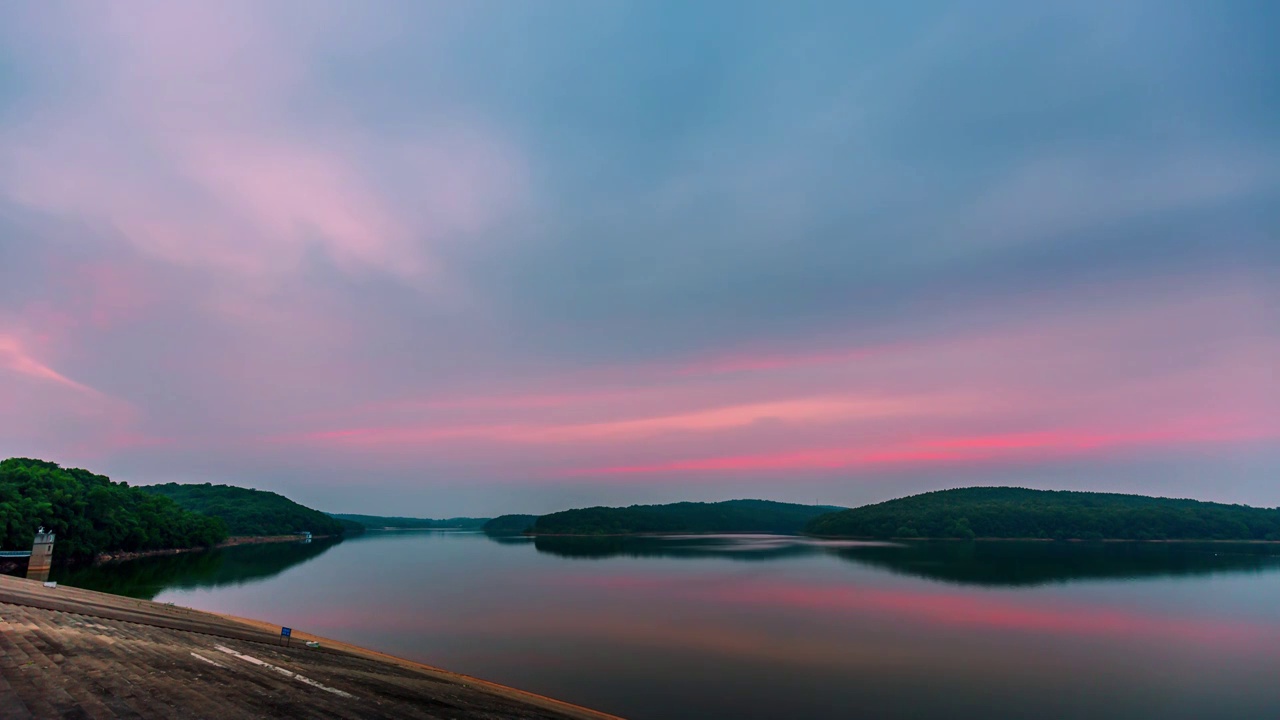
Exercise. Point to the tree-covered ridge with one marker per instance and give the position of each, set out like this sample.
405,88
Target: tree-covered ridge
91,514
374,522
250,512
728,516
510,524
1008,512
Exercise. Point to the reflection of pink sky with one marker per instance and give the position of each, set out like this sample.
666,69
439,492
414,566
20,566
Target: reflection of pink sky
955,610
949,609
634,599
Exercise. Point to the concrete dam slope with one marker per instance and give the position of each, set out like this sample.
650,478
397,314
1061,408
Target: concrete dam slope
71,653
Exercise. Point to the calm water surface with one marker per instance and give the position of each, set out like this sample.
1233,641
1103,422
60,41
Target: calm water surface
778,627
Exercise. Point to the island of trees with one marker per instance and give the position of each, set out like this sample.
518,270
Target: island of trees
252,512
91,514
1009,512
730,516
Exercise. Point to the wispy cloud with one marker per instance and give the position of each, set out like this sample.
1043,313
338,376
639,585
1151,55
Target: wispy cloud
15,358
585,253
953,451
798,412
185,136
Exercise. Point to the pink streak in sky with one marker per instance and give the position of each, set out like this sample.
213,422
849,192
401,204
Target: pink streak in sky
1042,392
187,142
15,357
805,410
1010,446
765,360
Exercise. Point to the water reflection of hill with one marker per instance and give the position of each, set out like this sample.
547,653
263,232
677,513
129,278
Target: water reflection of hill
379,534
747,548
147,577
509,539
1038,563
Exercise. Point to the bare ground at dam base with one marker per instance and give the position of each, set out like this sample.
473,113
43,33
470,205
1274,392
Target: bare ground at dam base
71,653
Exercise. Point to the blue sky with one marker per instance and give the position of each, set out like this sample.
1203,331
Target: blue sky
444,258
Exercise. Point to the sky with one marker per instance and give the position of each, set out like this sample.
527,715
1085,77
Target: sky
441,259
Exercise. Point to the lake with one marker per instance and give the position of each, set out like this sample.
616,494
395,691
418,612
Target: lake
777,627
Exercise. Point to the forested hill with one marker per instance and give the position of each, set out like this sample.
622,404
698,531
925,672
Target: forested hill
510,524
91,514
374,522
1007,512
727,516
252,512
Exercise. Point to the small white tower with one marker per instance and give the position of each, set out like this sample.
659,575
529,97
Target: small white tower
41,556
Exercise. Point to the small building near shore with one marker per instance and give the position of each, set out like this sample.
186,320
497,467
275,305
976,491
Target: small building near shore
41,561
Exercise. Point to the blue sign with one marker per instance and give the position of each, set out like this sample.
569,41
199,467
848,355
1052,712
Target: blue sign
286,632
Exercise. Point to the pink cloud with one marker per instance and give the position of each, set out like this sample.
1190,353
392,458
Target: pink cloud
1032,446
797,411
1051,389
45,412
15,357
252,257
172,145
761,361
515,400
185,140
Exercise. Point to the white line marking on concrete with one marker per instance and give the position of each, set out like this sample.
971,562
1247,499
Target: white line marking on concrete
211,662
282,671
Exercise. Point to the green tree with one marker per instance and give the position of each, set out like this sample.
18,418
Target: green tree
961,529
91,514
251,512
727,516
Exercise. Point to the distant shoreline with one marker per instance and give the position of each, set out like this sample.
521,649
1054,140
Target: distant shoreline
1170,541
656,534
229,542
391,528
866,538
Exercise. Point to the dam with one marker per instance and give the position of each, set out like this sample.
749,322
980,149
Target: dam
67,652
